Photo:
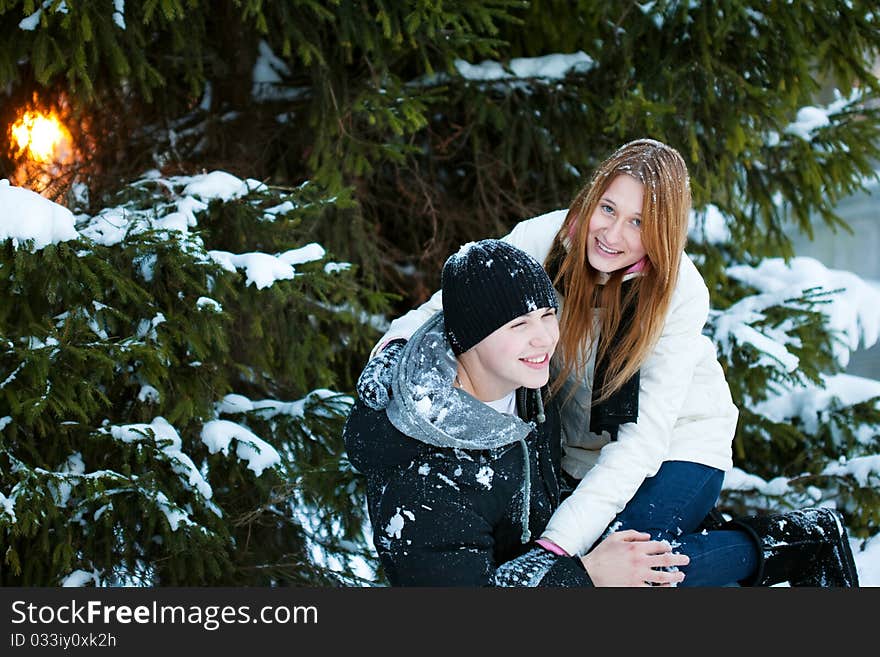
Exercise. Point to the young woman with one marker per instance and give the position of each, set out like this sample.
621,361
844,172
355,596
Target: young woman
647,416
462,467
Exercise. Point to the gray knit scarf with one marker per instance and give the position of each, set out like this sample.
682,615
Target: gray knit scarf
427,407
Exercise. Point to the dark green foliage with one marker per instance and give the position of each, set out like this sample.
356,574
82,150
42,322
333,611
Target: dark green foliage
370,107
114,366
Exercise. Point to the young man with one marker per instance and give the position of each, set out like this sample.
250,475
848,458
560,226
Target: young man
462,467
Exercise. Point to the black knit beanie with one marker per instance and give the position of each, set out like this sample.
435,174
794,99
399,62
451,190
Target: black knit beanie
487,284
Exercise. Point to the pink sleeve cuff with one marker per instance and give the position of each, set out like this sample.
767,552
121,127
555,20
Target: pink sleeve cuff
638,266
550,545
379,347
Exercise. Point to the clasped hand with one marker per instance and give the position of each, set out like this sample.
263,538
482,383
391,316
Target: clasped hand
631,558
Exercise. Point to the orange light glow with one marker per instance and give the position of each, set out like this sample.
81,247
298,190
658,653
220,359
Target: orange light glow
42,149
40,135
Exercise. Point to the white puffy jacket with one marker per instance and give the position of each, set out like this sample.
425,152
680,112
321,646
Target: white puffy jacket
685,409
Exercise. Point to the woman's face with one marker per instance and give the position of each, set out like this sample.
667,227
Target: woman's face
515,355
615,237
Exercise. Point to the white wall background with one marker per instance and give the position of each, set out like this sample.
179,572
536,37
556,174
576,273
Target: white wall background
857,252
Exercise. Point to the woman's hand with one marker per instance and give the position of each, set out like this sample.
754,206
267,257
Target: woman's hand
631,558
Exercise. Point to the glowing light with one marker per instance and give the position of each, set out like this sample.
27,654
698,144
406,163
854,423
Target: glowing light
40,135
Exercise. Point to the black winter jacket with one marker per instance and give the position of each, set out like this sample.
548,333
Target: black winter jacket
452,516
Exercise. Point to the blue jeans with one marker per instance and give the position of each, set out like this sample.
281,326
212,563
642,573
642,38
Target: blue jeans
671,505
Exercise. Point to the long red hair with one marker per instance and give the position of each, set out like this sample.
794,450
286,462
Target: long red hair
666,206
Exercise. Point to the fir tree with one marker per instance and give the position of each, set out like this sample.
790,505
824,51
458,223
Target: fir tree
773,105
167,416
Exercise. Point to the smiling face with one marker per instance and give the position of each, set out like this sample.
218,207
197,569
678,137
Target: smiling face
513,356
615,235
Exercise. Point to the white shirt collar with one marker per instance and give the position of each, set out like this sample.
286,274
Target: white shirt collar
506,404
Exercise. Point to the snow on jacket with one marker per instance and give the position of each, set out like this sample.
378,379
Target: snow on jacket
455,489
685,409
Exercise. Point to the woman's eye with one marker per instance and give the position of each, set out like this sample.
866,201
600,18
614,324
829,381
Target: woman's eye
637,223
607,209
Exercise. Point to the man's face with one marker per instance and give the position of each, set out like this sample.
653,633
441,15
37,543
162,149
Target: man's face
515,355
